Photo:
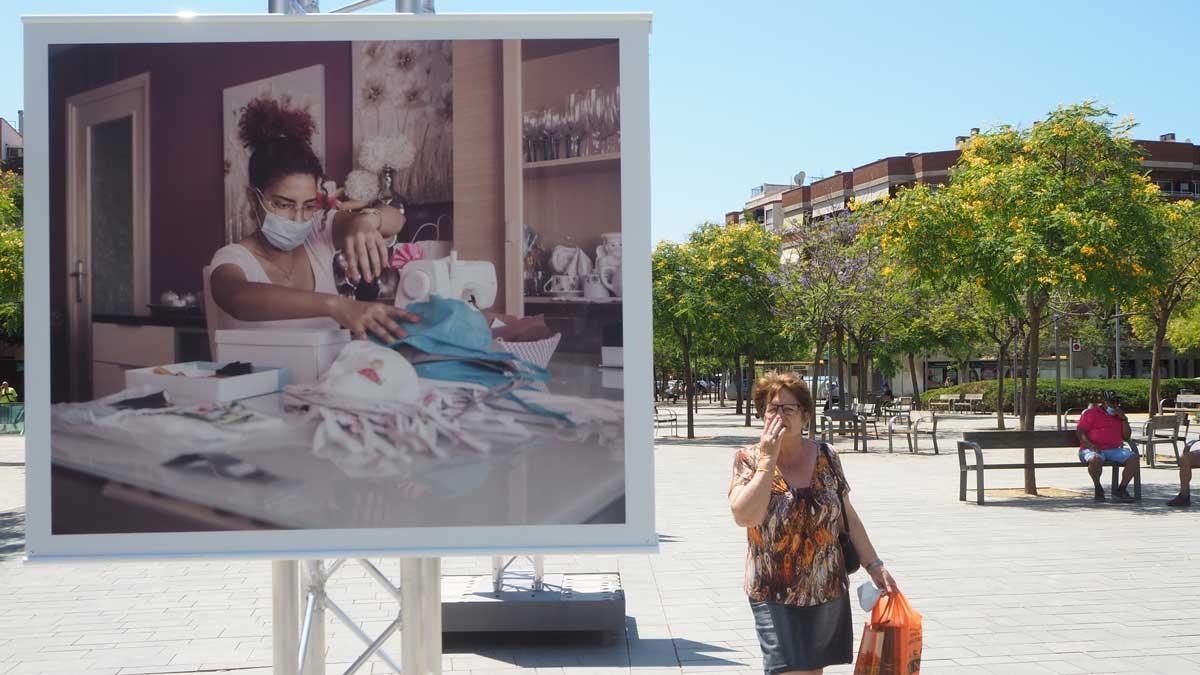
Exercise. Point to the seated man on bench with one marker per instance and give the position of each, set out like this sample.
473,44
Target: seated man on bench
1190,459
1102,433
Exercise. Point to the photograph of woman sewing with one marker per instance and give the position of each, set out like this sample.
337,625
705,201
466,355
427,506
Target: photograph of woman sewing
305,294
281,275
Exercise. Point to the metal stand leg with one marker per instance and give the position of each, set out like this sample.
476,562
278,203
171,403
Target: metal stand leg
312,655
500,567
285,615
421,611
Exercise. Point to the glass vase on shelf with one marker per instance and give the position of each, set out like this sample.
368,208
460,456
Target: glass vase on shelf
532,136
574,127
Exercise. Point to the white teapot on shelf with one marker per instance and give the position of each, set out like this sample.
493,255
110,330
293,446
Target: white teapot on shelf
608,261
570,260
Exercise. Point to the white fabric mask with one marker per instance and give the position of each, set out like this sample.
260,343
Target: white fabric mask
365,370
283,233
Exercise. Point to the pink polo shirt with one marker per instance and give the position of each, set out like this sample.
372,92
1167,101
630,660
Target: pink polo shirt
1106,431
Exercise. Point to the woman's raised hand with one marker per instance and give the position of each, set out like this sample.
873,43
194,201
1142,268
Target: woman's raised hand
375,318
768,442
365,249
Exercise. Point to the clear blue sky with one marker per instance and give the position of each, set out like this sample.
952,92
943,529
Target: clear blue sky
751,92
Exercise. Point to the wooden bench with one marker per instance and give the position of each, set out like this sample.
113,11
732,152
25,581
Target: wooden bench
1185,406
1152,435
978,441
913,426
837,415
972,403
899,406
945,402
869,412
663,417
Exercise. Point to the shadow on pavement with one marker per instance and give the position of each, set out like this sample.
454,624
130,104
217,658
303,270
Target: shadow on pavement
562,649
12,534
1153,504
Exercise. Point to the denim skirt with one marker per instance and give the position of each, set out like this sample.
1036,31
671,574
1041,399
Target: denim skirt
804,638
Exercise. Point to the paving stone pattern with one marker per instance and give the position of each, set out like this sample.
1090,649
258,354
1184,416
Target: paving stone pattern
1021,585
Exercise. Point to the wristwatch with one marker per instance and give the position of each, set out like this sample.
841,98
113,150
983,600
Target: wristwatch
873,564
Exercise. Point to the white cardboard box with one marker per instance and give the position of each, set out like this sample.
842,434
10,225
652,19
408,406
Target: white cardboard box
195,383
306,354
612,357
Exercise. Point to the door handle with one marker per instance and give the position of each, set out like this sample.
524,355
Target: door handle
78,274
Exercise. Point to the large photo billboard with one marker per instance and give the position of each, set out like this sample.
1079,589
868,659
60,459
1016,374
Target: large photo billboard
338,285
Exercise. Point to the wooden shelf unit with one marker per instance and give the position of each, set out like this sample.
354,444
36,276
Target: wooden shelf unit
551,300
573,165
567,201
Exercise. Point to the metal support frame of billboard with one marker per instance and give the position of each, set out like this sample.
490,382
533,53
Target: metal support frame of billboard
301,648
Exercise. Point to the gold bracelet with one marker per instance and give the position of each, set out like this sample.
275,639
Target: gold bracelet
761,470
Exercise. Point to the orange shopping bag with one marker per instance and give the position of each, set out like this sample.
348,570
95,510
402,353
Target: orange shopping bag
891,641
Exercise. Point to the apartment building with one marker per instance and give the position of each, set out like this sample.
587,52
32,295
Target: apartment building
1173,165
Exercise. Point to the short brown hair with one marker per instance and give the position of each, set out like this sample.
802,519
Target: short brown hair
769,384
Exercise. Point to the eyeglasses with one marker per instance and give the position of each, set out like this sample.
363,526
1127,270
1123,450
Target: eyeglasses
284,206
785,409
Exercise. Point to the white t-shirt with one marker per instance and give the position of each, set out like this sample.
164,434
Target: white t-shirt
320,249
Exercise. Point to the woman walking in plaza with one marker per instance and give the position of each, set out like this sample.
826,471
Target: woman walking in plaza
791,495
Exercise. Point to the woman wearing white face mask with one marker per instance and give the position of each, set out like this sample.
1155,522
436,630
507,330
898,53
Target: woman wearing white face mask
282,275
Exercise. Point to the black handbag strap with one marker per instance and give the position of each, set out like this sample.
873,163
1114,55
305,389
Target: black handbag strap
841,481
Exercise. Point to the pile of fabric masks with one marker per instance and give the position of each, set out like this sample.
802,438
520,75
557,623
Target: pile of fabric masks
145,416
441,387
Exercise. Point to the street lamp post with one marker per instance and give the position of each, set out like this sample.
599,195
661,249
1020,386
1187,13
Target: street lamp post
1057,377
1117,318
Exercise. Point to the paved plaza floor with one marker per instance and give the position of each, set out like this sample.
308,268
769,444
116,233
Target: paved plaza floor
1021,585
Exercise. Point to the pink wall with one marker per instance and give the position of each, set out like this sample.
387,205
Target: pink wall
187,209
187,181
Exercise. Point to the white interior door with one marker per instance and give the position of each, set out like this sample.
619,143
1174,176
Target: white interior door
108,200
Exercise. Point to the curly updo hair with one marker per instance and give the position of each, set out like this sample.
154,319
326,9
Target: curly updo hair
279,139
769,384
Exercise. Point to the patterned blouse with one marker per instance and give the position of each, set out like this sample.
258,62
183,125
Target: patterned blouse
793,557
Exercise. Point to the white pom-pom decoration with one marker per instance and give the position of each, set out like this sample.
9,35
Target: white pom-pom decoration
401,153
379,152
362,186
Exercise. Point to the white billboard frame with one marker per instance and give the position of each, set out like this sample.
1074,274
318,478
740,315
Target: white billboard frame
636,535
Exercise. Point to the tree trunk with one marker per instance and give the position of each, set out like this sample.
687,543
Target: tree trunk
862,374
1160,333
841,361
750,367
1000,385
812,423
912,371
737,374
688,388
1029,413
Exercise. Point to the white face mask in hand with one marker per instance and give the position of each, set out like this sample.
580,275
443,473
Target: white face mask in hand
283,233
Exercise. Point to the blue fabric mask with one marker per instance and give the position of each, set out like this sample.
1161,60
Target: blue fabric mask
458,333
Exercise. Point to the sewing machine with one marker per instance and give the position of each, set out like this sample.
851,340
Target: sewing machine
471,280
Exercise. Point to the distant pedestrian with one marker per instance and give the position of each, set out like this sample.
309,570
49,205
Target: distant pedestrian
791,495
8,394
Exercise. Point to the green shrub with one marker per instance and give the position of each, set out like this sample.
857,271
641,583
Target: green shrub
1075,393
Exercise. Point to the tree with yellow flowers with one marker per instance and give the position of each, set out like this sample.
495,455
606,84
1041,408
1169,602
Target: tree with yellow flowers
678,308
12,257
735,266
1176,288
1061,209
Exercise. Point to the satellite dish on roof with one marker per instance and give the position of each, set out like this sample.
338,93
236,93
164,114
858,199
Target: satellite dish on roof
798,179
